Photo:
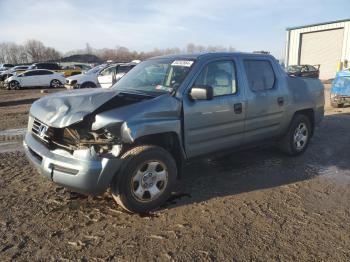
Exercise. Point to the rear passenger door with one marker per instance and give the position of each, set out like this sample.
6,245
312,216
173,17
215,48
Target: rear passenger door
265,100
212,125
45,77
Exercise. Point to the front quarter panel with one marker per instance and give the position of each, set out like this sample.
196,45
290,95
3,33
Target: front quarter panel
158,115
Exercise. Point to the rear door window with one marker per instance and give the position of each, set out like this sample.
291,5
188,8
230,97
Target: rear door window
260,75
45,72
108,71
31,73
123,69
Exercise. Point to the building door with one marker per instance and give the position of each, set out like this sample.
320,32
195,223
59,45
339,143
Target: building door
323,48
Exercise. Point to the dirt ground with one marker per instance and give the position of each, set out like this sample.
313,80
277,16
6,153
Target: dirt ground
250,206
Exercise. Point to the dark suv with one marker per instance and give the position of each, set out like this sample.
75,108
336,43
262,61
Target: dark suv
49,66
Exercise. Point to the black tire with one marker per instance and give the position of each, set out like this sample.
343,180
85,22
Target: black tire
55,83
124,184
88,85
287,144
14,85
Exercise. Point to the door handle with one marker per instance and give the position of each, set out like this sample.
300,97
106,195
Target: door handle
280,101
237,108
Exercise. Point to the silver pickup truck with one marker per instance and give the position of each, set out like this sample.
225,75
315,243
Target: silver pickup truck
136,136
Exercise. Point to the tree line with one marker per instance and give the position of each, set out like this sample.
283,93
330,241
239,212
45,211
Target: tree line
35,51
30,51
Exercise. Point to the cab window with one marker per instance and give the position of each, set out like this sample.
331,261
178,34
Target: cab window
221,76
260,75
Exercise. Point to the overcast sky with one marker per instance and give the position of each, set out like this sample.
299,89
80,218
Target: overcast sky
143,25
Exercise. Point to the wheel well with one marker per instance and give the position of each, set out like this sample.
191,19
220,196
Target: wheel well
88,83
170,142
310,114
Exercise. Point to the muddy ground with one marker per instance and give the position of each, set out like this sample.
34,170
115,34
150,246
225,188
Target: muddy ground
251,206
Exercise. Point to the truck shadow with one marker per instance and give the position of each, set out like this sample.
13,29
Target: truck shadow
267,167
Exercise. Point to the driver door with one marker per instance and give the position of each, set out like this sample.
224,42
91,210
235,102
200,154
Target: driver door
213,125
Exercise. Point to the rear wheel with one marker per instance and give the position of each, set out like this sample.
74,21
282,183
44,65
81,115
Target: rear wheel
298,136
145,180
55,83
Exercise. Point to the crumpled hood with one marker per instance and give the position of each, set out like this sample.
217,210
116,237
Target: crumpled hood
65,108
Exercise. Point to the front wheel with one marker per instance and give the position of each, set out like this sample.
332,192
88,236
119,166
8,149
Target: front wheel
14,85
55,83
146,178
298,136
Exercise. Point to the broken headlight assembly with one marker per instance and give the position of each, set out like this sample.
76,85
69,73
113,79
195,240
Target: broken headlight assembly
104,143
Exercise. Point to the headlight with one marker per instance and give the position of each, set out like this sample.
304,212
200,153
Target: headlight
104,143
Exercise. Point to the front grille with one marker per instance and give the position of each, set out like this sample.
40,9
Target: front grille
41,131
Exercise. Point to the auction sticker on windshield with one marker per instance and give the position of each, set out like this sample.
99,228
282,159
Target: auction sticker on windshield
186,63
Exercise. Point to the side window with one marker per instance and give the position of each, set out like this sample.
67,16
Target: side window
107,71
39,73
221,76
31,73
123,69
260,74
45,72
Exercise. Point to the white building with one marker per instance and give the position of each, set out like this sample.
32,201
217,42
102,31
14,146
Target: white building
325,44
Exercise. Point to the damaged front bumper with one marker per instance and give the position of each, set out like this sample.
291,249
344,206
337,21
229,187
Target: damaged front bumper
72,86
83,171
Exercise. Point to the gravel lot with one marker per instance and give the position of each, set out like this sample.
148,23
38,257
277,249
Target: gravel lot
257,205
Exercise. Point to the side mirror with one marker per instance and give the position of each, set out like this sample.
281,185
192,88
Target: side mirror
204,92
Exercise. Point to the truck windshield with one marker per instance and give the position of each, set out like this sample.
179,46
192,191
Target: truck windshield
155,77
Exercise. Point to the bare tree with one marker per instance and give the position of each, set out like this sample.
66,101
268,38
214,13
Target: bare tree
35,51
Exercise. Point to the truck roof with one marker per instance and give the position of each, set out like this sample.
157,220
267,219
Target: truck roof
209,55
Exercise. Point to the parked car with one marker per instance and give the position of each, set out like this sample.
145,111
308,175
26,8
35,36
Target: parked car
85,80
56,67
110,75
80,67
5,67
136,136
10,72
304,71
35,78
340,89
14,70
